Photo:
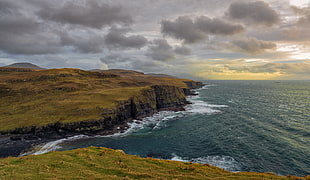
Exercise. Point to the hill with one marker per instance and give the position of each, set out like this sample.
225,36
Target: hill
119,71
161,75
103,163
25,66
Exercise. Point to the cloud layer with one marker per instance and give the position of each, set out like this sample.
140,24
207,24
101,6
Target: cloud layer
46,28
190,38
255,13
161,50
252,46
116,39
198,29
91,13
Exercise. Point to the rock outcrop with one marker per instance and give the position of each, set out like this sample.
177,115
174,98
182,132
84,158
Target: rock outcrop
192,85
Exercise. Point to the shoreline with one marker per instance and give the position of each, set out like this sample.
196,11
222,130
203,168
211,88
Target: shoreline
14,145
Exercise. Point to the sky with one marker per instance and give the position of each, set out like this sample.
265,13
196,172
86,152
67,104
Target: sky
197,39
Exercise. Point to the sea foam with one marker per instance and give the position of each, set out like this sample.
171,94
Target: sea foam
225,162
154,122
53,145
198,106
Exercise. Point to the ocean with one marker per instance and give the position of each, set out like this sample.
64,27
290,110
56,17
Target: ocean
261,126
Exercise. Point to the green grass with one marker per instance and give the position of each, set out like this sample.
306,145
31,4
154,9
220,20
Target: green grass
103,163
42,109
39,98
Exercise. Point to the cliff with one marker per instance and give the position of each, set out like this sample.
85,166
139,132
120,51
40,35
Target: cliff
62,102
146,102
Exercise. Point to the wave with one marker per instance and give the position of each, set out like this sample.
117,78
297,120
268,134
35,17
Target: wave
225,162
202,107
207,86
159,120
53,145
155,122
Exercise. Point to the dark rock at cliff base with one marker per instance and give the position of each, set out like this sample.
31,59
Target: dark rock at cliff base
9,147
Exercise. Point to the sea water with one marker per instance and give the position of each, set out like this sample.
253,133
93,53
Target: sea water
261,126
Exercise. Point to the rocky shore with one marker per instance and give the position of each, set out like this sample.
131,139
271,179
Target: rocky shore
151,100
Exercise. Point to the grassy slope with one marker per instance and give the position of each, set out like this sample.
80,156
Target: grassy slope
103,163
66,95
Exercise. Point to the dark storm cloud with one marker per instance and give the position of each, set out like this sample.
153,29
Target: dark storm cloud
256,13
196,30
18,24
6,7
296,29
160,50
21,33
86,13
36,27
183,28
90,43
116,39
217,26
252,46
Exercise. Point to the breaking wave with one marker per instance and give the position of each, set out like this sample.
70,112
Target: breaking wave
225,162
201,107
155,122
53,145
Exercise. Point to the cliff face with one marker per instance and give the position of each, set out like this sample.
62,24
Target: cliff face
148,101
192,85
62,102
169,96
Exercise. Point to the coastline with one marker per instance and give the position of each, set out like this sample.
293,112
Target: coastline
16,144
175,156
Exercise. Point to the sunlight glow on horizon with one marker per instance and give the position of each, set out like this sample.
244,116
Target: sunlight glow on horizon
232,75
296,52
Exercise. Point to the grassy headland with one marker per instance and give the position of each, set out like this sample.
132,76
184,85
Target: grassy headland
33,101
34,98
103,163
